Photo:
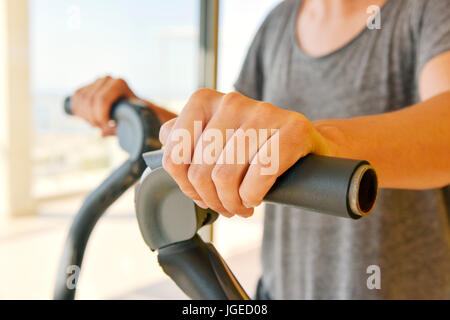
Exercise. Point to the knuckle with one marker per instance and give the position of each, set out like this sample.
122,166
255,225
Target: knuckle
265,105
120,81
231,99
119,85
79,92
265,112
232,95
222,175
202,93
266,108
298,119
197,175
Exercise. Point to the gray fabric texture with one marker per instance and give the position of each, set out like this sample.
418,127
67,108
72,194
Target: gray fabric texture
306,255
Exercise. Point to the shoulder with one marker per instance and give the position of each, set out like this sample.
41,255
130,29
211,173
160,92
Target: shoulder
428,11
412,16
422,5
417,8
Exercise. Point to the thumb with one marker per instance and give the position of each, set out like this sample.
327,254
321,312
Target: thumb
108,130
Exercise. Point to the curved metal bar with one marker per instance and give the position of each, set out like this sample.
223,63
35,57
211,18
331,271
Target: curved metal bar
138,129
200,271
84,222
169,221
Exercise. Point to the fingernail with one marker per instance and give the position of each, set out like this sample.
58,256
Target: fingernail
247,205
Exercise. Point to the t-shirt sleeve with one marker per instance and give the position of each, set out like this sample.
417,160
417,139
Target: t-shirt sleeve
251,77
434,31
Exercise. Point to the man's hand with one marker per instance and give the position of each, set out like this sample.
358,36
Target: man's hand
213,176
94,101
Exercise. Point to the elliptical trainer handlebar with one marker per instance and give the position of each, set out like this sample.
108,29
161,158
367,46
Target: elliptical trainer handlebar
169,221
137,132
340,187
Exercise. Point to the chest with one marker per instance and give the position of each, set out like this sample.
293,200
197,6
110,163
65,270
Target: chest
372,74
320,36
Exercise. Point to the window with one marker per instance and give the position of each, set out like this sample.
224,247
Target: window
239,21
153,45
150,43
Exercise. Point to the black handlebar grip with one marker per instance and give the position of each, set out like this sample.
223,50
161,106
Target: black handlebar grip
336,186
340,187
67,106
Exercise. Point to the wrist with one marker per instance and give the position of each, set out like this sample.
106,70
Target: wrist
332,137
162,114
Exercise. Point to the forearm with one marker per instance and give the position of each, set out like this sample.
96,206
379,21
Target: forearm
410,148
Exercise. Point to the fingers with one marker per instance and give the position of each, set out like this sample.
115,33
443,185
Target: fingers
91,98
235,158
223,154
105,95
231,167
201,204
108,130
207,150
94,101
201,176
79,104
181,136
165,130
278,154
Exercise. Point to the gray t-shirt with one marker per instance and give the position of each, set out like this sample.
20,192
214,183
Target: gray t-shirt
307,255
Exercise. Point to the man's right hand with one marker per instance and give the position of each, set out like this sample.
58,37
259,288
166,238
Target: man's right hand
93,102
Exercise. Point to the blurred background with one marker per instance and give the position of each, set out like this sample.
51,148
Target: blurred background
49,161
